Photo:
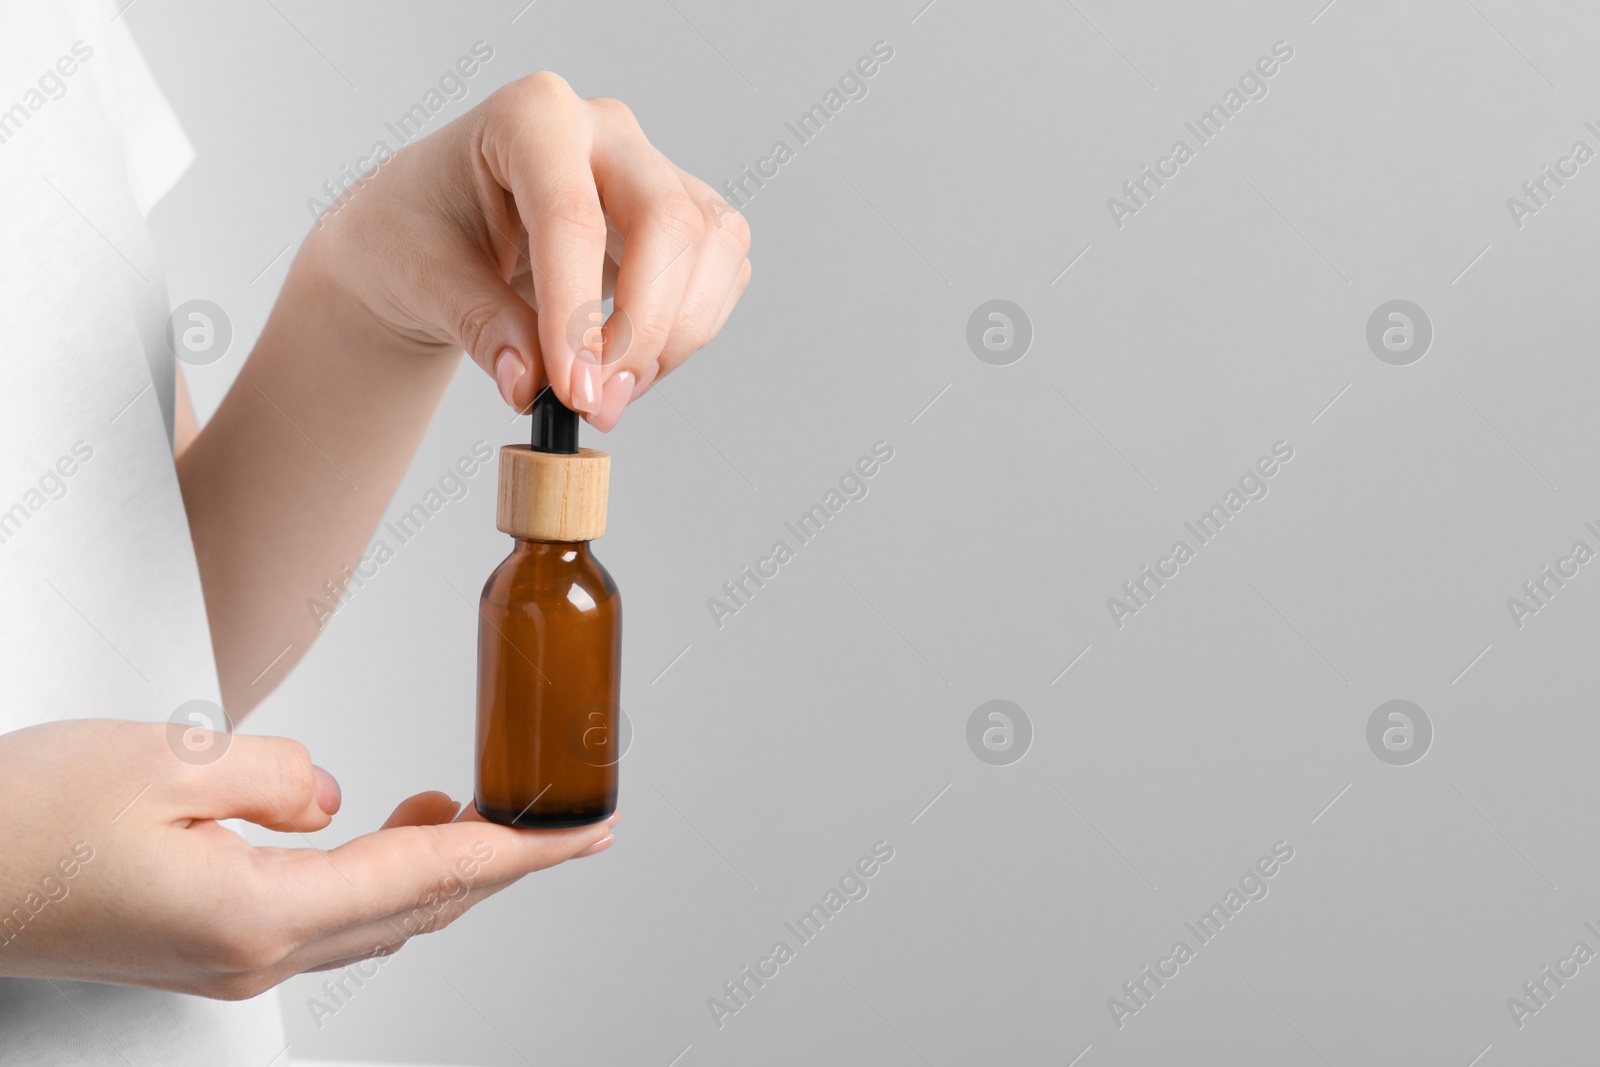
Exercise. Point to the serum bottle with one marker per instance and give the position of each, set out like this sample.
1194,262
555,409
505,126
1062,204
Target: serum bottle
549,638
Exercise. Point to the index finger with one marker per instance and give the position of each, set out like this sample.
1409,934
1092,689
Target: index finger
537,145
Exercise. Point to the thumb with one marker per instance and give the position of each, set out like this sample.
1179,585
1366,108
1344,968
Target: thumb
269,781
498,329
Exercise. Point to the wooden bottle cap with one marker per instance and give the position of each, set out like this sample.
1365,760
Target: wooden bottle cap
548,496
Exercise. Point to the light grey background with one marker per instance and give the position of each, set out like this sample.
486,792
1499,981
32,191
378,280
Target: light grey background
1223,317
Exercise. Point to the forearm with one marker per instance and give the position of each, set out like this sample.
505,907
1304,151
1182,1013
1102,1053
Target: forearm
288,480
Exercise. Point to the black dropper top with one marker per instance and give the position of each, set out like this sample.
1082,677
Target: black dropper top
555,426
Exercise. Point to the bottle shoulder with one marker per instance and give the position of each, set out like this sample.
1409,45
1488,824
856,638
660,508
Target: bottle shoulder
554,577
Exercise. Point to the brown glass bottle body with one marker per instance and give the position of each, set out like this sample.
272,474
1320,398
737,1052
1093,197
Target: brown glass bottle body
549,681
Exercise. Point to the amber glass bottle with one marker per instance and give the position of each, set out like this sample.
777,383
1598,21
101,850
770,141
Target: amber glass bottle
549,639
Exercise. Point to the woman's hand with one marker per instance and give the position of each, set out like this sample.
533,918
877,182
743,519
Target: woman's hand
116,869
501,233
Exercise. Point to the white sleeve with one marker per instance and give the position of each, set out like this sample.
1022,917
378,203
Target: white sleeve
154,148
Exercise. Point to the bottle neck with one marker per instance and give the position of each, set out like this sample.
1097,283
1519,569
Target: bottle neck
553,550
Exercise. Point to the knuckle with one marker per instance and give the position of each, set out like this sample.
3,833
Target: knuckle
578,209
293,771
680,220
471,315
653,332
547,83
539,88
614,111
690,333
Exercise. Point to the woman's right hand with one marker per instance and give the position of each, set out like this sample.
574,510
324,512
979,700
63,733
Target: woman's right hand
115,868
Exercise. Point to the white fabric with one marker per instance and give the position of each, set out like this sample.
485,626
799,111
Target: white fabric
103,614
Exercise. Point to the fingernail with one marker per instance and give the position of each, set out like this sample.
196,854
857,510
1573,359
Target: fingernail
646,381
508,370
328,795
614,817
599,846
616,394
585,384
